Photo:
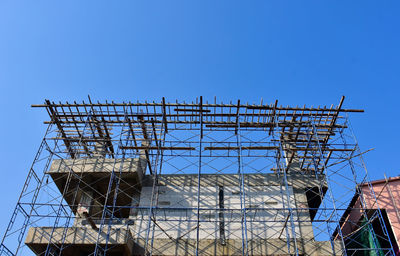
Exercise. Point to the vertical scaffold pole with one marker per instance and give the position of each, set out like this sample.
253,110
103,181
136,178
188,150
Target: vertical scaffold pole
199,176
245,249
159,159
293,226
279,168
322,159
284,179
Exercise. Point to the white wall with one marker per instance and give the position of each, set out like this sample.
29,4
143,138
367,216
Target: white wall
265,223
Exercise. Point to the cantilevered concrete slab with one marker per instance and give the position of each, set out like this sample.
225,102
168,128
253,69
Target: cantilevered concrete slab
80,240
75,177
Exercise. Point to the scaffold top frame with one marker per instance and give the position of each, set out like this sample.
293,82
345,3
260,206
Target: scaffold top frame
145,120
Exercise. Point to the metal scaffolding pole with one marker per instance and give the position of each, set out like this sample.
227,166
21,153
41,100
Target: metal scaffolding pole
243,207
199,176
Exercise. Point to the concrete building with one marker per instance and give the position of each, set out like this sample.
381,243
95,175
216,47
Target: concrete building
189,179
220,211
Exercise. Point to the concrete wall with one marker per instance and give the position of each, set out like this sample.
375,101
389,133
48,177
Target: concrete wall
174,227
267,218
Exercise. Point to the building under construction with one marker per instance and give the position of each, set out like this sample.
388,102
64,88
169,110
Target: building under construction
198,178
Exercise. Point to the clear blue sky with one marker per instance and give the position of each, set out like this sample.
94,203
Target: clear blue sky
299,52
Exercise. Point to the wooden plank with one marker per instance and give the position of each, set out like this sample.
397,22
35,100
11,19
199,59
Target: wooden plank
155,148
201,116
60,128
272,120
275,148
191,110
237,117
108,138
164,115
154,132
177,105
133,134
243,148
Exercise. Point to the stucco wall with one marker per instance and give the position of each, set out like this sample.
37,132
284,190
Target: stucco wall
385,201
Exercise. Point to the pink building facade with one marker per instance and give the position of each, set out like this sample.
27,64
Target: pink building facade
387,193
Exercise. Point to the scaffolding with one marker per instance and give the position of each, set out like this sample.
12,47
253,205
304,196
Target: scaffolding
199,178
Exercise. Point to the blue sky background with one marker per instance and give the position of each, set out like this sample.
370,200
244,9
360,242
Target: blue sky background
299,52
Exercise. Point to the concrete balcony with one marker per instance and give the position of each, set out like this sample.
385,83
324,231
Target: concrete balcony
80,240
76,178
